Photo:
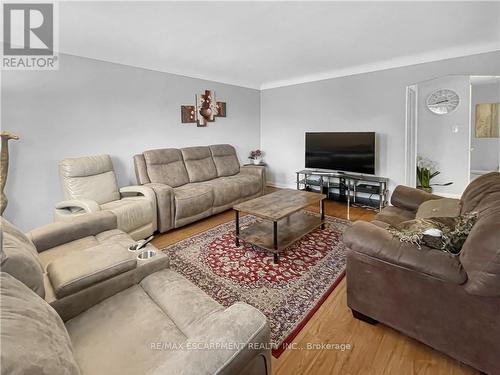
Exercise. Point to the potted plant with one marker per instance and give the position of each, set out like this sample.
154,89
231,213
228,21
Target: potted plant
426,170
256,156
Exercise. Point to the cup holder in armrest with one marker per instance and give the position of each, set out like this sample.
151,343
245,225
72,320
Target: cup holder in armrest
147,254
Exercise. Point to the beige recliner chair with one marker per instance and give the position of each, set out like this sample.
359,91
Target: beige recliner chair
89,185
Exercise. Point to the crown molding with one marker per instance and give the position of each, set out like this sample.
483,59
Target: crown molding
399,62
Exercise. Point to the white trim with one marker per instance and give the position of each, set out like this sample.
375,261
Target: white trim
398,62
411,135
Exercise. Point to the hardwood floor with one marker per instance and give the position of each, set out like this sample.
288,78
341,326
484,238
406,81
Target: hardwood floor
374,349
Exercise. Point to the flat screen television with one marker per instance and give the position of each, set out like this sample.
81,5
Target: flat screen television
341,151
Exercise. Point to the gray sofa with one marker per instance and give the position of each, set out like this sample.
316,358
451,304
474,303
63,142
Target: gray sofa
147,319
195,182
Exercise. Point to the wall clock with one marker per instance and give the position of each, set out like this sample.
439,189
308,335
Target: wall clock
443,101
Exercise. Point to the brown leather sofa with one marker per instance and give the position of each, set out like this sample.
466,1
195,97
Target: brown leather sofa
145,319
195,182
451,303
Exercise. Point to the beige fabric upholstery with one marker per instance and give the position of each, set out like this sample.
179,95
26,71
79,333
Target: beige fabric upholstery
129,332
166,167
90,177
446,207
220,182
165,199
225,160
192,199
89,185
109,237
20,258
82,269
199,163
55,234
131,213
33,340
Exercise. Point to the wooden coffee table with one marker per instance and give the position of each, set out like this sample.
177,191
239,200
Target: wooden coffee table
284,221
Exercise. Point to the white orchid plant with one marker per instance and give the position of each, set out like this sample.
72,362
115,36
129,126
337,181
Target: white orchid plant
426,170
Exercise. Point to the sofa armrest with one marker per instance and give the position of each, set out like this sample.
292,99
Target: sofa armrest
82,269
233,340
409,198
164,205
65,210
146,192
55,234
370,240
257,170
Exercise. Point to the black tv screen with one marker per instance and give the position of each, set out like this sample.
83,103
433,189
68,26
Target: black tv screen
346,151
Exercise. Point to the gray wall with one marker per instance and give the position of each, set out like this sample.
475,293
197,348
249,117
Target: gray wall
485,153
445,138
364,102
93,107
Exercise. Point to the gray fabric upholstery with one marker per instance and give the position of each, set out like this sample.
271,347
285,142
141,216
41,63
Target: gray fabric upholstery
192,199
89,184
210,181
225,160
199,163
79,270
55,234
131,213
20,258
114,236
165,199
90,177
166,166
141,170
129,332
33,338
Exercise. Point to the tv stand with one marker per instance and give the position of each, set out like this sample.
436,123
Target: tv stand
367,191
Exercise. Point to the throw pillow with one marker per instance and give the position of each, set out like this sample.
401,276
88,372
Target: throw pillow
445,207
454,232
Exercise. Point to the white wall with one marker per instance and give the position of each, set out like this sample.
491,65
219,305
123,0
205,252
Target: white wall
485,152
445,138
93,107
364,102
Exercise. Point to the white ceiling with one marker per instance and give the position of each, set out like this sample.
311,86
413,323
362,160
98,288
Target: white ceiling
271,44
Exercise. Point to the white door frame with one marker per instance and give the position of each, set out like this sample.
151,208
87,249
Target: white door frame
411,135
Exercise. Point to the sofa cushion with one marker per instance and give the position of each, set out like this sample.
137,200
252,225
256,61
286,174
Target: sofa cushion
90,177
225,160
131,213
394,215
19,258
114,236
33,337
199,163
166,166
192,199
249,184
79,270
117,336
376,242
446,207
225,191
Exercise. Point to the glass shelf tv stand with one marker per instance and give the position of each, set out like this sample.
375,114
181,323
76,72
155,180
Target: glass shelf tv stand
365,191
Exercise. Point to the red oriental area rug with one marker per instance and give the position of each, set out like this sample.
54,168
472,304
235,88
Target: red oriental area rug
288,293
